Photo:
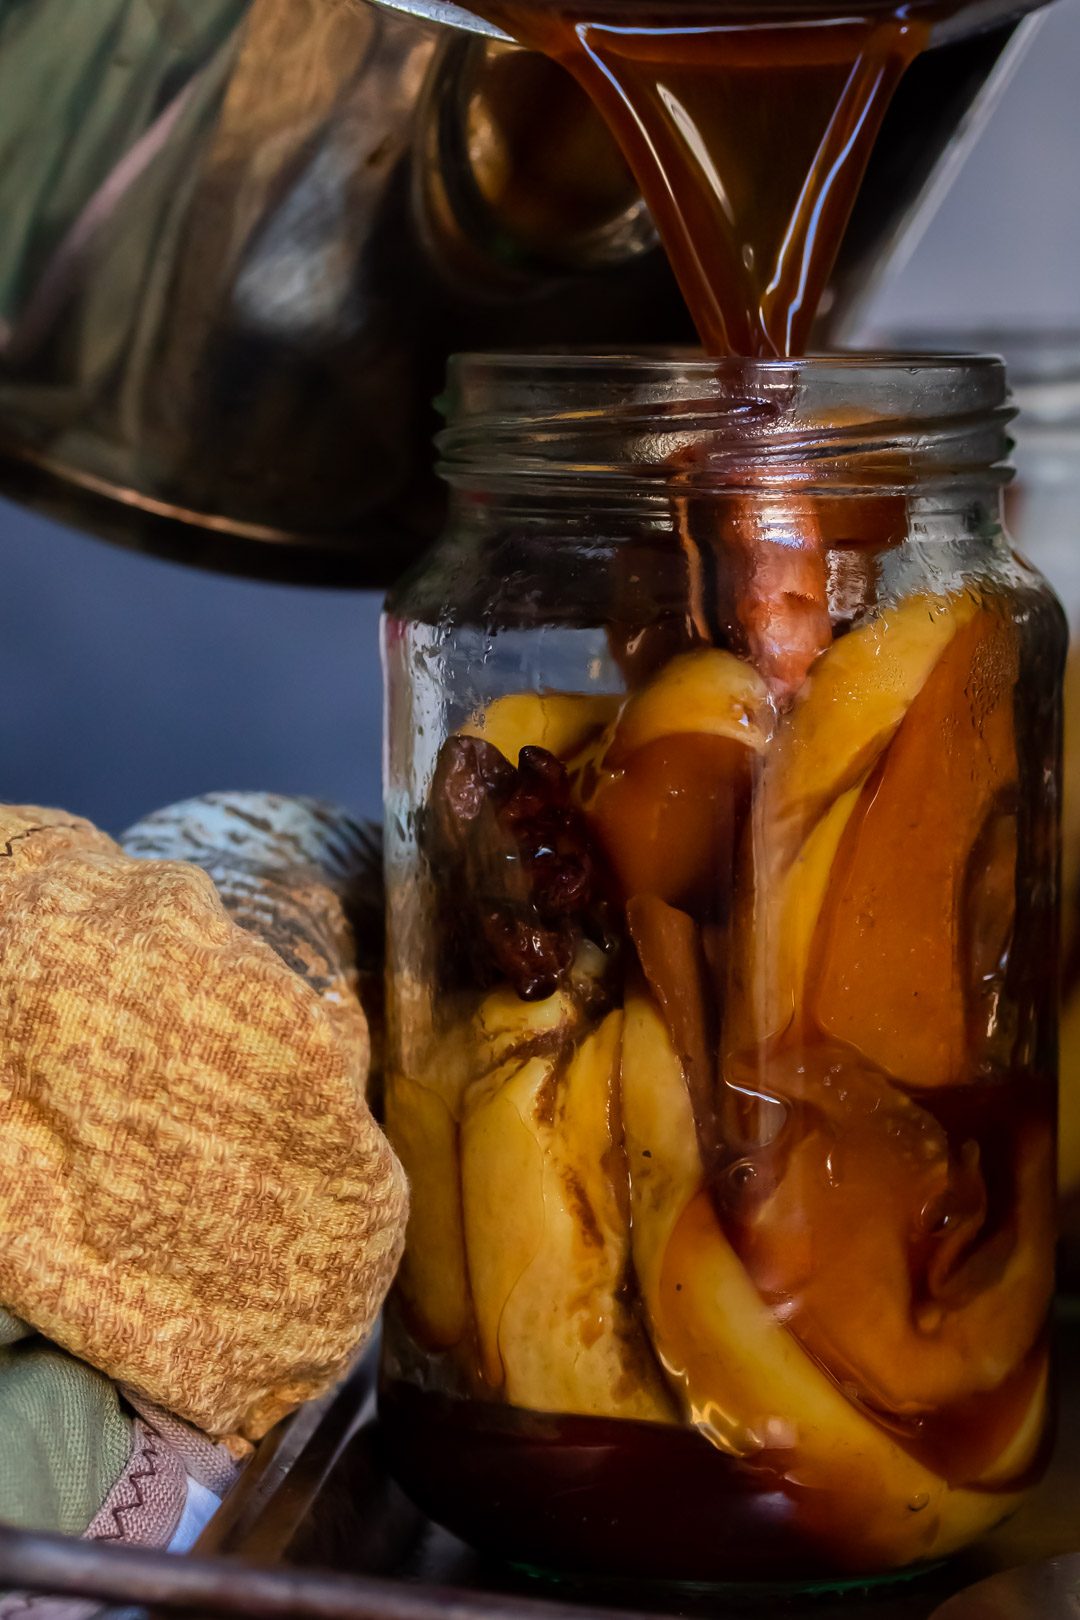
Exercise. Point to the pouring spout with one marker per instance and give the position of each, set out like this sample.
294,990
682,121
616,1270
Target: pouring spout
446,14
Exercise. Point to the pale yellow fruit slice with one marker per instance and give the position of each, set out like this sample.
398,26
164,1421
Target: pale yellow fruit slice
1014,1461
850,708
561,722
422,1121
505,1025
774,929
502,1169
432,1278
548,1240
499,1028
708,692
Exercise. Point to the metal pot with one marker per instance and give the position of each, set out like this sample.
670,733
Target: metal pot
240,239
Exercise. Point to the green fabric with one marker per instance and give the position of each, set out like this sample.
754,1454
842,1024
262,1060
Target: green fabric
64,1440
11,1329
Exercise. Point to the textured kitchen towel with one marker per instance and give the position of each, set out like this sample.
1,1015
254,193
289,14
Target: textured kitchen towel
194,1196
300,874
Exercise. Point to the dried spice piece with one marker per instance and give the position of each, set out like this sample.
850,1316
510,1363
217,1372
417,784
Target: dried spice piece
669,948
519,878
767,557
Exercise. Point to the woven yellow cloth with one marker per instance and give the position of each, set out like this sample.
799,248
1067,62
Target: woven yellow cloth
194,1196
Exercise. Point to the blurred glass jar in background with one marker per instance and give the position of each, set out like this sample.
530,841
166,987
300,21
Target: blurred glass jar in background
1043,515
722,747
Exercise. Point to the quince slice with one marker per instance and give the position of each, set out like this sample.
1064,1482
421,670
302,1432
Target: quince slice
862,1182
506,1026
423,1114
547,1237
848,711
667,783
898,965
774,929
708,692
1028,1437
748,1385
561,722
431,1280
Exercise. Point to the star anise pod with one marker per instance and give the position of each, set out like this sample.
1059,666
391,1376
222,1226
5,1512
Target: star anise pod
520,881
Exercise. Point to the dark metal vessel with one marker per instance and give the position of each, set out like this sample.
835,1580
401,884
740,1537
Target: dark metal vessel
240,239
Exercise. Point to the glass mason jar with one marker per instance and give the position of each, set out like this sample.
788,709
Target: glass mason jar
722,765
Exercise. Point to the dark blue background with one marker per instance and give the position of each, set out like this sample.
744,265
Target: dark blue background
127,683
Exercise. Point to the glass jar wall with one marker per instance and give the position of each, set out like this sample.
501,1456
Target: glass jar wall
722,757
1042,511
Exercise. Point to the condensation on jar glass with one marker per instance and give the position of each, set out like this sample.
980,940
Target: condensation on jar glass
722,754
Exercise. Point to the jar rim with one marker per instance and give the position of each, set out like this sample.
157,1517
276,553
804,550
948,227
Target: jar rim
661,355
1028,350
621,417
692,364
1042,362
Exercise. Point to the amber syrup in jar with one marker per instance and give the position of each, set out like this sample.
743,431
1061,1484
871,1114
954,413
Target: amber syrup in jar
722,775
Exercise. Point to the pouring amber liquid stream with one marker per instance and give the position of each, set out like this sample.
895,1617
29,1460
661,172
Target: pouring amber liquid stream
748,138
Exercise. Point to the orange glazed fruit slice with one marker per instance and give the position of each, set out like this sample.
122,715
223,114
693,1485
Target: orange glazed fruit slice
889,972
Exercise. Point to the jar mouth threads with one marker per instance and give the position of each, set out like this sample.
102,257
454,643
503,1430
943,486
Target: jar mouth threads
1043,364
623,421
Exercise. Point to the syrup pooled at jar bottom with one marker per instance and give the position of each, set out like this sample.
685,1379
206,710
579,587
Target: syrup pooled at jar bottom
732,1163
